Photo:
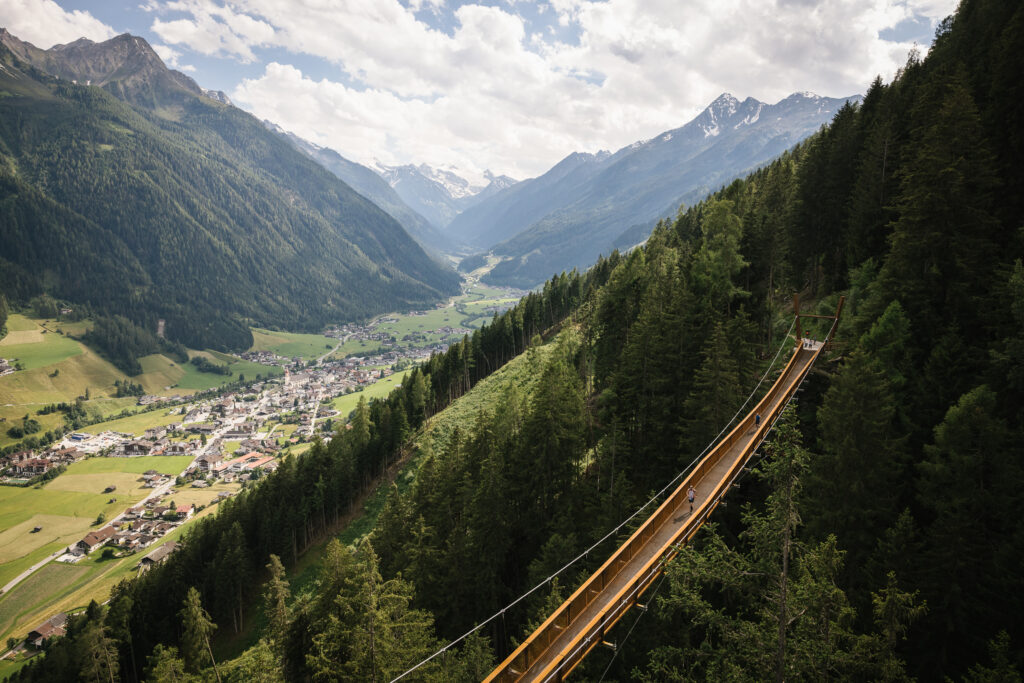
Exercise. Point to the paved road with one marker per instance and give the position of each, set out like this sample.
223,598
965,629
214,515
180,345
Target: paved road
344,339
159,491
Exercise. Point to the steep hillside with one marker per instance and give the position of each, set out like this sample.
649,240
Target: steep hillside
195,213
885,547
582,207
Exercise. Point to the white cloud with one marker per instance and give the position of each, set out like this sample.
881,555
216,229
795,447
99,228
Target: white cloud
487,94
45,24
171,57
214,29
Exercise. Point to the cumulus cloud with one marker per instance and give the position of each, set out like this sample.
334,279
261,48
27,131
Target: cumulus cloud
494,92
45,24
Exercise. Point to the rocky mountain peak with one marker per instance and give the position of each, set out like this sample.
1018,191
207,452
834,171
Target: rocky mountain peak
126,65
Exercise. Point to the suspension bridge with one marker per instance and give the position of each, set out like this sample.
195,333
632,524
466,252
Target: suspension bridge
583,621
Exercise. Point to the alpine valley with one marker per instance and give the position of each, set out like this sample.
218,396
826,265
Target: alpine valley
145,197
755,414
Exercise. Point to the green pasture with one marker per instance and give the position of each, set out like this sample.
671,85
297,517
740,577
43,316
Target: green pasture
135,424
411,324
20,323
172,464
161,375
18,541
35,343
45,584
347,403
67,506
291,344
187,495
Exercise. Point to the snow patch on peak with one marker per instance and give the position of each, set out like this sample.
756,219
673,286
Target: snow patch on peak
710,131
751,118
454,184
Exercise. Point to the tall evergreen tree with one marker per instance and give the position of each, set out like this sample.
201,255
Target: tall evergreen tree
196,630
715,396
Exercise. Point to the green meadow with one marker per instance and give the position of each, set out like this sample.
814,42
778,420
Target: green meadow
67,506
292,344
347,403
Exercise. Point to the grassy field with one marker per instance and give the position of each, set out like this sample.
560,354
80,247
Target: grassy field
18,541
161,375
50,582
161,463
347,403
135,424
292,344
28,604
67,506
60,369
188,495
34,346
432,320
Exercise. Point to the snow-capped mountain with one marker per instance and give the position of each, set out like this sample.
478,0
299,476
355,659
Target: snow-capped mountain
368,183
439,194
588,204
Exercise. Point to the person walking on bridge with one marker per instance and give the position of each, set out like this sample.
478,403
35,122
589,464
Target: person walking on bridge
691,493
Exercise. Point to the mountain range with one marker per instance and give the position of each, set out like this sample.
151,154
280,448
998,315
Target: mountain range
440,194
588,204
373,186
124,187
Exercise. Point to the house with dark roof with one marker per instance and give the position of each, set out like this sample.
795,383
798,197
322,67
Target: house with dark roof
95,539
158,555
54,627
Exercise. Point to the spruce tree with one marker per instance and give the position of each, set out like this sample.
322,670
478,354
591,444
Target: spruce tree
715,396
196,630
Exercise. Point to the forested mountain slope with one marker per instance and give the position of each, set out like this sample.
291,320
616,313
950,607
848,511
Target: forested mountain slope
886,547
190,212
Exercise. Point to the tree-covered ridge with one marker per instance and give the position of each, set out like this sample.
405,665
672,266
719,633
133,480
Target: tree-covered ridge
204,218
294,507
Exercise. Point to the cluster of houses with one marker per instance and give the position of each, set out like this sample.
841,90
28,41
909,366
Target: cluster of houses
156,441
28,464
213,465
56,626
138,528
264,358
5,367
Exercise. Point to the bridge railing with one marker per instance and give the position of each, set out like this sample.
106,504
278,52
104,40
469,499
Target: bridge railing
519,662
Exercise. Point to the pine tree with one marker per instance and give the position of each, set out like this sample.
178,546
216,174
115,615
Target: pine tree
165,666
715,396
99,659
196,630
374,635
857,484
719,260
275,601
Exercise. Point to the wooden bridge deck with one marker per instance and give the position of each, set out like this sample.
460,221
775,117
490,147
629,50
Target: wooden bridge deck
582,621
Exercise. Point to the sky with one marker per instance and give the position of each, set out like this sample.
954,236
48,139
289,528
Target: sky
510,86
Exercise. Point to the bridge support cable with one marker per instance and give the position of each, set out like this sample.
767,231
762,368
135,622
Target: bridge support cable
553,650
618,528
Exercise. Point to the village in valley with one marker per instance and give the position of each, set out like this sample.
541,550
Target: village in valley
209,445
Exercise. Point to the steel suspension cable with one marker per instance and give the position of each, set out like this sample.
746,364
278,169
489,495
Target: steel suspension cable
585,553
